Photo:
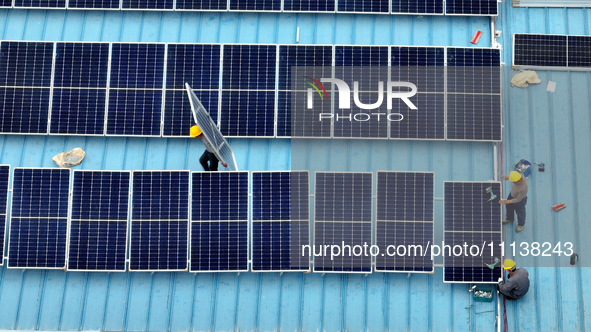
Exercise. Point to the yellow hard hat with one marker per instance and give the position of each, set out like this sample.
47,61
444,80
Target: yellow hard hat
195,131
509,264
514,176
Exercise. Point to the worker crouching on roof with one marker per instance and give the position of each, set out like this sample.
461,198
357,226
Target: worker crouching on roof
517,283
517,200
209,160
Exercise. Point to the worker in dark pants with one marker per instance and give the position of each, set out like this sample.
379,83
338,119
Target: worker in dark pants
209,160
517,283
516,200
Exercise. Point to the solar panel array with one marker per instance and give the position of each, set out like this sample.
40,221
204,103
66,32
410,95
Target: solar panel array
136,89
453,7
219,221
39,218
281,221
98,222
4,177
405,218
471,222
551,51
343,214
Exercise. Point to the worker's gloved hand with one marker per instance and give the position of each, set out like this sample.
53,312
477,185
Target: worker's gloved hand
500,280
224,164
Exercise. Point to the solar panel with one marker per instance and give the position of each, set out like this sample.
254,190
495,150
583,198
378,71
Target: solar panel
579,49
40,3
364,6
417,6
39,218
471,7
4,177
474,94
280,221
248,90
469,218
343,215
274,5
134,112
219,221
147,4
539,50
6,3
98,222
159,221
405,220
202,4
93,4
137,66
309,5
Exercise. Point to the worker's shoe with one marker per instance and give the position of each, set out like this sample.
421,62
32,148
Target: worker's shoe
518,229
506,221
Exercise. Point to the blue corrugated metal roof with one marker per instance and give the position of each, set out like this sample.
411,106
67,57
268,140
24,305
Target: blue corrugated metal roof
552,128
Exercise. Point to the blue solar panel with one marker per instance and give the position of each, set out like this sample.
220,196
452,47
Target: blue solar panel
98,224
26,64
579,50
134,112
25,110
474,117
417,6
470,218
471,7
4,176
159,220
93,4
281,221
139,66
428,122
309,5
540,50
249,67
6,3
39,218
81,65
178,118
202,4
249,113
343,213
196,64
364,6
40,3
406,246
219,221
255,5
78,111
147,4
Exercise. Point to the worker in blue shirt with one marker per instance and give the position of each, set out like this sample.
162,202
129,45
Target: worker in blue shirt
209,159
517,283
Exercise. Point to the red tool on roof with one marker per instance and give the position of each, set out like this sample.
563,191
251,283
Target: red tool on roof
558,206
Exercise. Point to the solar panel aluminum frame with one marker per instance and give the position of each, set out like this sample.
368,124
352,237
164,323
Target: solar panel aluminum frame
8,191
336,7
422,221
127,229
248,231
500,94
313,227
448,14
67,220
488,232
567,68
310,228
129,241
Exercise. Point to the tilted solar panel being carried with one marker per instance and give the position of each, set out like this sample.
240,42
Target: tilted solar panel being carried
98,222
474,94
25,77
364,6
472,229
342,214
248,90
159,221
309,5
80,88
471,7
255,5
4,177
417,6
280,221
39,218
219,221
405,221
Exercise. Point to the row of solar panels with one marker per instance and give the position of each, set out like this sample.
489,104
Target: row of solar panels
419,7
199,221
562,51
122,89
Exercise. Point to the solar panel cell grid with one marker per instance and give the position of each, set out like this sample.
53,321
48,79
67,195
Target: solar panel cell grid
78,111
134,112
274,5
4,177
540,50
471,7
202,4
364,6
138,65
579,51
178,118
198,65
309,5
147,4
415,237
417,6
6,3
94,4
25,110
40,3
26,64
81,65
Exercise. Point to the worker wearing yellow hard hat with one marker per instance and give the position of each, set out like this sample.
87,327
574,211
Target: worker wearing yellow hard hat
517,283
209,159
516,200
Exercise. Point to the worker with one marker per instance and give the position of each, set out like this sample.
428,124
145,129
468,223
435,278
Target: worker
209,159
516,200
517,283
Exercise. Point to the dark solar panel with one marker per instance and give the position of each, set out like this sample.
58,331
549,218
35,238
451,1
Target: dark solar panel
417,6
4,177
159,220
93,4
40,3
78,111
309,5
39,218
540,50
471,7
219,221
579,51
6,3
249,67
25,110
364,6
470,218
281,221
202,4
98,227
147,4
137,65
178,118
196,64
255,5
248,113
405,218
134,112
343,211
81,65
474,117
26,63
